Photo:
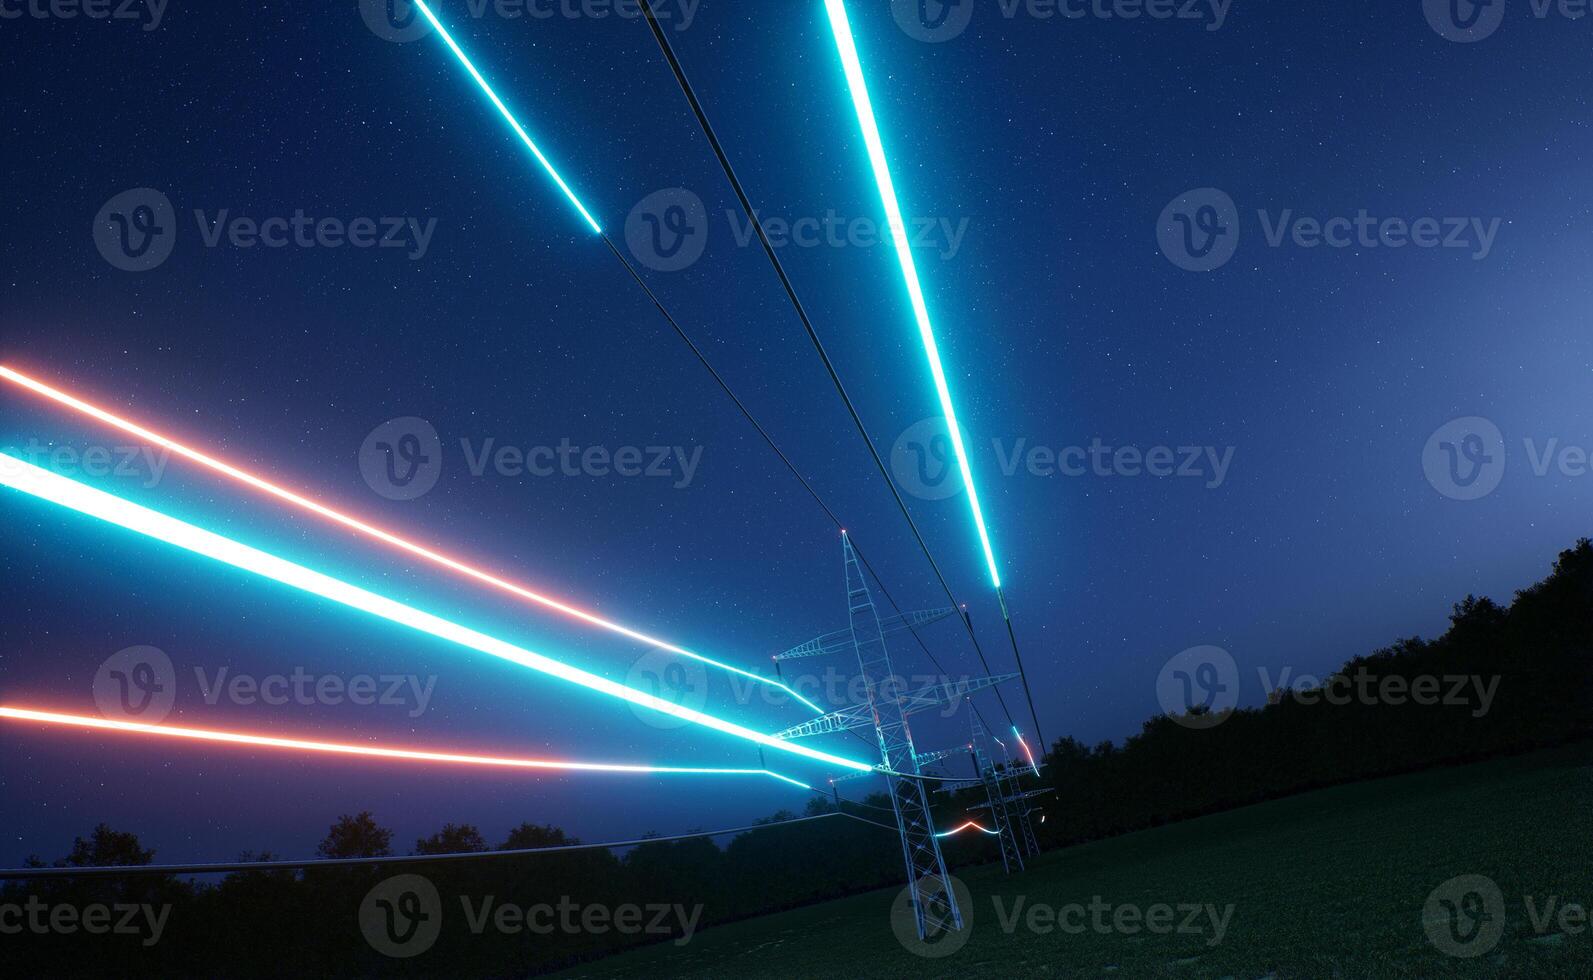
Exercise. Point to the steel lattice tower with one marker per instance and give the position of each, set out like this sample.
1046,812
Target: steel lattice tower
934,904
1018,812
1011,850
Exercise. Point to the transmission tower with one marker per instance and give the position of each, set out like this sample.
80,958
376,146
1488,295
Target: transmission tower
995,793
934,904
885,709
1017,803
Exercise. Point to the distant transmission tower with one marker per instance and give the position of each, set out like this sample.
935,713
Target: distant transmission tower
1017,802
996,795
886,710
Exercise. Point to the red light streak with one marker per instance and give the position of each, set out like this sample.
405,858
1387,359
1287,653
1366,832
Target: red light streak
366,751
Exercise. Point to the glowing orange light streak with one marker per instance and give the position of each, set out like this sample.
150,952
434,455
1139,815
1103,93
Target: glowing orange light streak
370,531
367,751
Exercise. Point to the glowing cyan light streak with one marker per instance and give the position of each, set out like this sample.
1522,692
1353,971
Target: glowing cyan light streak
376,533
975,826
853,67
367,751
503,110
27,478
1032,764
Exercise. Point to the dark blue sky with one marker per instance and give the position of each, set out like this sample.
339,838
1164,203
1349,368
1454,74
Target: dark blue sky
1052,146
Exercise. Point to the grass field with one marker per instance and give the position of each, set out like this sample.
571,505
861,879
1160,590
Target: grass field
1327,884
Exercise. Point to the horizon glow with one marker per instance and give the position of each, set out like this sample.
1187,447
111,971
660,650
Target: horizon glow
508,116
412,755
853,67
45,485
304,503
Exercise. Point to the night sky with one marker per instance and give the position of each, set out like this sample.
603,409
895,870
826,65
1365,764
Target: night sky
1052,146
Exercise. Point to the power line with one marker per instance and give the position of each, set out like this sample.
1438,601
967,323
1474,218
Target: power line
813,336
746,413
653,298
113,871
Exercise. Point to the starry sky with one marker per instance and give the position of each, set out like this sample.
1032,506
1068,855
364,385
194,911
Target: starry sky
1048,147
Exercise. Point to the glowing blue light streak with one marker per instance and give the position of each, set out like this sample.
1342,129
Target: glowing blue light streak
853,67
503,110
41,483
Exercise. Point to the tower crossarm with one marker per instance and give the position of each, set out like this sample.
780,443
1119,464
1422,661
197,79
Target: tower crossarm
840,641
861,716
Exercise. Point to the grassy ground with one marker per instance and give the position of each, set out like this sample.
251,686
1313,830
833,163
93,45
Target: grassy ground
1328,884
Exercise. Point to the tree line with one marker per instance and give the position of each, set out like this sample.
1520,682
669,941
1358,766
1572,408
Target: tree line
1530,676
